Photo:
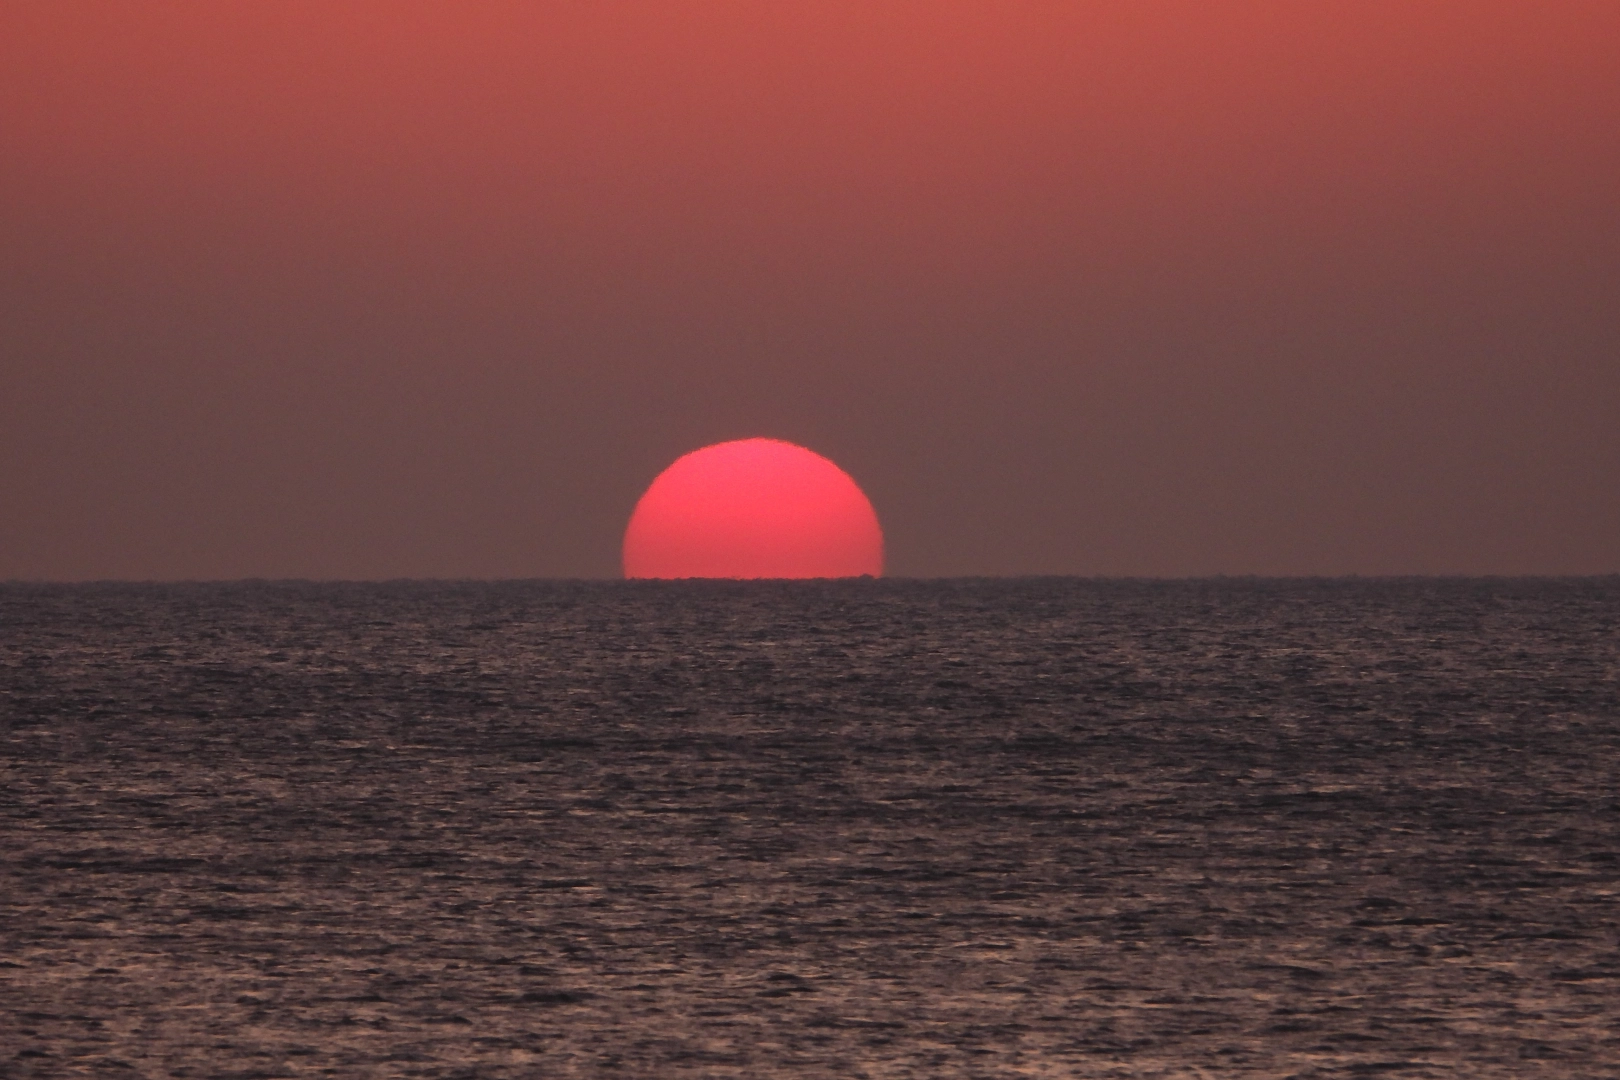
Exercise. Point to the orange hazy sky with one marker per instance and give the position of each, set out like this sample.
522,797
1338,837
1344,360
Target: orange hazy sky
382,289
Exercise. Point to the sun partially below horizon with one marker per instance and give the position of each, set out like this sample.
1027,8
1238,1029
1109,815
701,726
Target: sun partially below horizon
753,508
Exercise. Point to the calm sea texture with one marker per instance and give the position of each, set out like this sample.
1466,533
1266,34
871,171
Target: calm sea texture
1057,827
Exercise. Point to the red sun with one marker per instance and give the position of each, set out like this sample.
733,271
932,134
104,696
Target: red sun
754,508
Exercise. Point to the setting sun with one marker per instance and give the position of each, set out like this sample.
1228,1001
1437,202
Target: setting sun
753,508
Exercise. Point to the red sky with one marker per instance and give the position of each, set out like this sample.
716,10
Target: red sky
383,289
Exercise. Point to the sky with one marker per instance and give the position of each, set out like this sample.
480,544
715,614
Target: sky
397,289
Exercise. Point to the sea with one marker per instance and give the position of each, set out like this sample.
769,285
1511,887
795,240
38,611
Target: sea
1046,827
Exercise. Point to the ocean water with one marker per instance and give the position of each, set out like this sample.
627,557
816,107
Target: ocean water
1056,827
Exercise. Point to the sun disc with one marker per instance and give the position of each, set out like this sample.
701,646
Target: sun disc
753,508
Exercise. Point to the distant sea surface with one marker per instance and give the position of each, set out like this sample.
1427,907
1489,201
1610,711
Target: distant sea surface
1032,828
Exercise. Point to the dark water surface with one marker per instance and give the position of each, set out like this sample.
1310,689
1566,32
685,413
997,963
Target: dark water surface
879,829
